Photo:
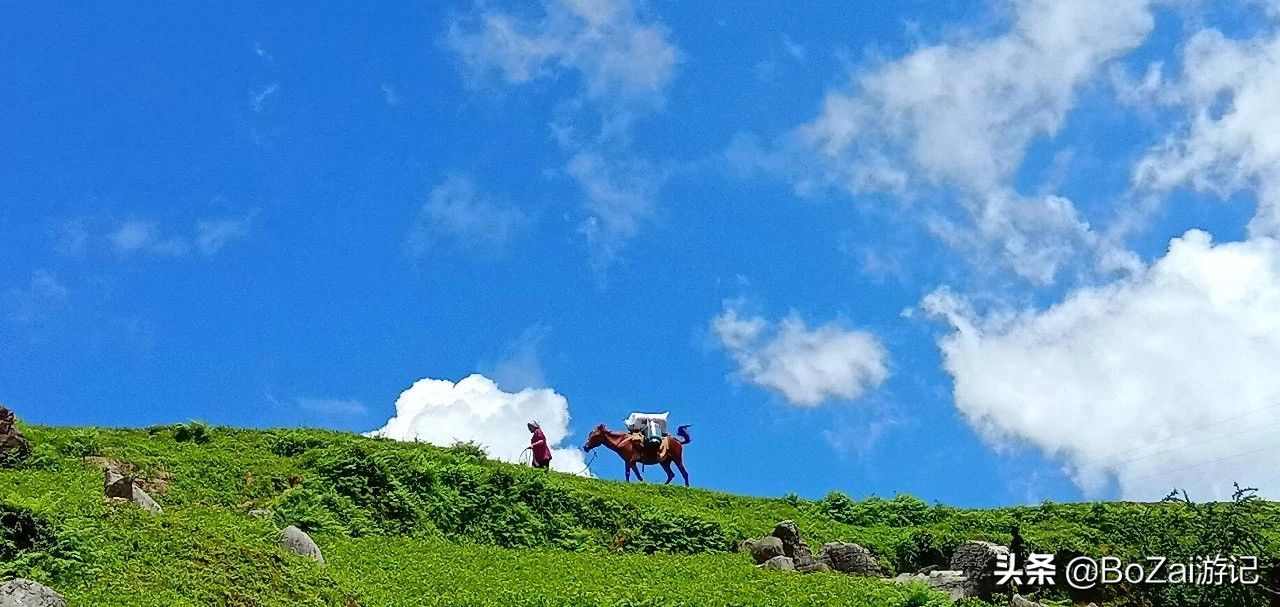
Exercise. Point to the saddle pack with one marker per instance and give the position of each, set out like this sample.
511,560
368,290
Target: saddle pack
651,426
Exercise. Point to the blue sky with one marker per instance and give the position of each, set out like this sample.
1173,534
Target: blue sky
930,247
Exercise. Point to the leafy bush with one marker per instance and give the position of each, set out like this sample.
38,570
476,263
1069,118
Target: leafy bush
82,443
29,545
291,443
468,451
192,432
901,511
43,457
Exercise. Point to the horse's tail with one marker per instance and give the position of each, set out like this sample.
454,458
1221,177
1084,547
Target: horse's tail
683,433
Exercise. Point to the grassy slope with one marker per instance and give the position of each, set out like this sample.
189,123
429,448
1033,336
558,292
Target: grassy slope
405,524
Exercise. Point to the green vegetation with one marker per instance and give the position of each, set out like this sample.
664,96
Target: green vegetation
411,524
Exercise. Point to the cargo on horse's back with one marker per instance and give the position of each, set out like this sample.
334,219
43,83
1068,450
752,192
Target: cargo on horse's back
635,449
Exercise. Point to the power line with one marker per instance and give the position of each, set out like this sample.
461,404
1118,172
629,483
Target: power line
1197,444
1178,435
1271,448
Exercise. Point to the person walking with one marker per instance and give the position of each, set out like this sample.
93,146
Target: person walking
538,444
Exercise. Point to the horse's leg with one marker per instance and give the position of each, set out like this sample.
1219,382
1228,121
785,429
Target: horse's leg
636,469
685,473
666,467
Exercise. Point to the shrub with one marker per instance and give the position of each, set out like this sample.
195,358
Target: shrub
192,432
470,451
82,443
43,457
901,511
30,545
291,443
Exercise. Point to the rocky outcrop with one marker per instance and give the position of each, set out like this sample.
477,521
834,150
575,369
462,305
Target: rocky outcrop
978,562
1020,601
13,446
120,486
785,542
783,563
813,566
953,583
298,542
26,593
850,558
764,548
792,544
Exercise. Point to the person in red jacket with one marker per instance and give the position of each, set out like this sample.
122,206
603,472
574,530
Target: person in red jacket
538,444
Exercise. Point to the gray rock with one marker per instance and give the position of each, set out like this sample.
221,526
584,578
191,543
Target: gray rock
1019,601
783,563
807,563
954,583
978,562
815,566
298,542
764,548
120,486
851,558
116,484
144,501
792,545
26,593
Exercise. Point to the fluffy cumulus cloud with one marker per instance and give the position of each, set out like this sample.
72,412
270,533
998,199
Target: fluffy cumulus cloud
960,116
808,367
1165,379
441,412
457,212
1231,140
622,62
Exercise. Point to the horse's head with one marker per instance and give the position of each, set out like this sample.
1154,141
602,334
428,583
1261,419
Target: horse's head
595,439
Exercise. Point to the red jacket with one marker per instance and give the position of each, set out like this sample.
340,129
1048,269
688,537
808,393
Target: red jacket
541,452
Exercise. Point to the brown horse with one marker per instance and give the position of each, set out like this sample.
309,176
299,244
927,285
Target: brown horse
622,444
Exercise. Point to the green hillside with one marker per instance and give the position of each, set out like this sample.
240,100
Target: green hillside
411,524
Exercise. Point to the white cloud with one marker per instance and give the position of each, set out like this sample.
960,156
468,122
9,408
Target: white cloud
618,56
1035,237
964,113
391,96
807,367
144,236
623,63
136,236
521,364
41,296
333,406
619,196
457,212
259,100
959,116
1231,141
441,412
1162,356
214,234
